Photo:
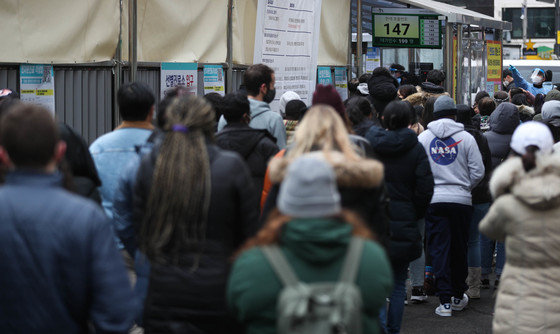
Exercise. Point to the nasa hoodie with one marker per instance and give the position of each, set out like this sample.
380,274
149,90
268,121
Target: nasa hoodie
455,161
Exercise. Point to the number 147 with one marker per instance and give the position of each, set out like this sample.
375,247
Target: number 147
397,28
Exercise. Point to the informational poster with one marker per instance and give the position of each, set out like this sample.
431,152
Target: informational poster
37,85
325,77
373,58
179,74
287,40
341,82
214,79
454,90
494,72
406,28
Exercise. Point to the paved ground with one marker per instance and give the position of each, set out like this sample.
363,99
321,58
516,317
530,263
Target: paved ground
476,318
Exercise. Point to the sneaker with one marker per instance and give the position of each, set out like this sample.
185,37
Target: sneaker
418,295
485,283
460,304
444,310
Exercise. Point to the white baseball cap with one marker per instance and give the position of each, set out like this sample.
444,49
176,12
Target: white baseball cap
532,133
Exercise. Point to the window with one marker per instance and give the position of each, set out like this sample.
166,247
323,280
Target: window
540,23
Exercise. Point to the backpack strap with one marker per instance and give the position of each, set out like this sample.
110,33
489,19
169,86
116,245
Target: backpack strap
280,265
352,261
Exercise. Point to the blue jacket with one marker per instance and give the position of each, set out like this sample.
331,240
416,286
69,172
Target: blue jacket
522,83
262,117
60,269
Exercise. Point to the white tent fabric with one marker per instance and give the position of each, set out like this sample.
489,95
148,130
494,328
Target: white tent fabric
58,31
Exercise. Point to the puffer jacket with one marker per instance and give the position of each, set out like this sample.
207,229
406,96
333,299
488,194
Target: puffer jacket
360,184
256,146
503,121
182,300
410,185
525,215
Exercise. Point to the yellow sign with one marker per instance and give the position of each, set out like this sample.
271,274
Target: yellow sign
494,57
399,26
530,45
558,37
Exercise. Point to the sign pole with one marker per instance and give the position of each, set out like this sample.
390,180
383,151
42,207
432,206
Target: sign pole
557,24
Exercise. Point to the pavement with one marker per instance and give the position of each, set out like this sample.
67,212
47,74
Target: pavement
476,318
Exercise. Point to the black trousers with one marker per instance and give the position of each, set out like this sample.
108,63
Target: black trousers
447,234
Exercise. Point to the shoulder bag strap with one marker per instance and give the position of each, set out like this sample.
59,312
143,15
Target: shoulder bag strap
352,261
280,265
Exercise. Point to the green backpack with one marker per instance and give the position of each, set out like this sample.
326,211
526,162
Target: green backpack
326,307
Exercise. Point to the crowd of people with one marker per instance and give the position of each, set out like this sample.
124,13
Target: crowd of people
221,215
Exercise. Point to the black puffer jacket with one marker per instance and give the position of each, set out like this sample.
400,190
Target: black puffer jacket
410,185
361,188
503,121
481,193
256,146
183,301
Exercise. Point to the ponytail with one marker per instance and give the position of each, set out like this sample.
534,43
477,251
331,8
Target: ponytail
529,159
178,203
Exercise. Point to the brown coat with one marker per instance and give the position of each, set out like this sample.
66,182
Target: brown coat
526,214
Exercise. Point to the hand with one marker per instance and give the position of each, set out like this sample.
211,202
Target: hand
511,67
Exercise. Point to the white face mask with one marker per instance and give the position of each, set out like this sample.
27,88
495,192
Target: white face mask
505,83
536,78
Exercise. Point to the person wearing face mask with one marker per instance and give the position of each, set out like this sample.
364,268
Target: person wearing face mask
259,82
537,79
507,84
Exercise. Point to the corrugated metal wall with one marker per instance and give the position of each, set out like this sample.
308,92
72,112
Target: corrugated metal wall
84,100
84,94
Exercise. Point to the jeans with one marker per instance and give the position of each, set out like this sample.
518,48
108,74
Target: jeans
447,228
417,269
487,253
480,210
391,319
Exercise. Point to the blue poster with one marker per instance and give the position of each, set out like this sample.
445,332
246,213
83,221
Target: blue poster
324,76
214,79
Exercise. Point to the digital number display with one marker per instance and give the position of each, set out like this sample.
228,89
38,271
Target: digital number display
406,30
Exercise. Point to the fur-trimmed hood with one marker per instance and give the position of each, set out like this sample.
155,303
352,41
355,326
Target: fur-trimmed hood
365,173
539,188
415,99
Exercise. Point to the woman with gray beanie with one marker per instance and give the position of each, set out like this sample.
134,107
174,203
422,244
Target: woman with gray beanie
312,235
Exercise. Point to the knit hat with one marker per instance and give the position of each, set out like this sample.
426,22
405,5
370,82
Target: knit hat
444,106
284,99
554,94
309,189
329,96
532,133
550,109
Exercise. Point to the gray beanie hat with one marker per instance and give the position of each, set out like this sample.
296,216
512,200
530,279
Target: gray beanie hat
309,189
444,106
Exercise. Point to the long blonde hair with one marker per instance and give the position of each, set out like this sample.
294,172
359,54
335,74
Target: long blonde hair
322,129
179,199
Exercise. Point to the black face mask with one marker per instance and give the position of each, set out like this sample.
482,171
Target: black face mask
269,96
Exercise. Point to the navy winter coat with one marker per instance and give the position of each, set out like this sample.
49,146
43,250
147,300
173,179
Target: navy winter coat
410,185
59,265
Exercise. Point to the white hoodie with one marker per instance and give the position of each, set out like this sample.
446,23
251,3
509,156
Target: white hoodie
455,161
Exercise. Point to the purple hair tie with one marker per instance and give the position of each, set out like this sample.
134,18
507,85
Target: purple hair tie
180,128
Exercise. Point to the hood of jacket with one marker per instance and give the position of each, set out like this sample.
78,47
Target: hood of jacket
551,109
538,188
258,107
391,143
317,240
382,87
505,118
445,127
430,87
364,173
241,138
415,99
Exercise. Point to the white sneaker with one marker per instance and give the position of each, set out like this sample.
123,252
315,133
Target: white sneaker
460,304
444,310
